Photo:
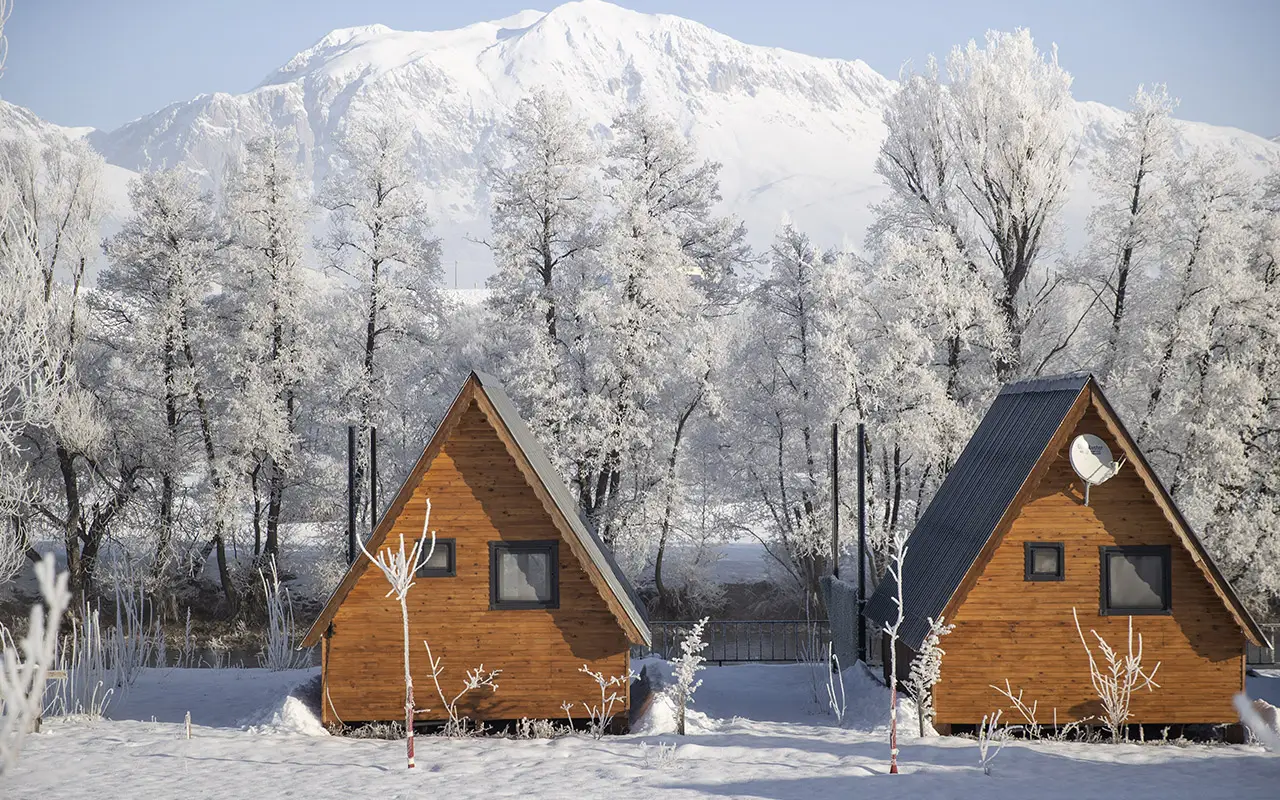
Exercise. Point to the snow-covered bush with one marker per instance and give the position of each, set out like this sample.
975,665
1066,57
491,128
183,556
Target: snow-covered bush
24,664
1116,684
613,691
399,568
279,653
926,670
662,756
477,678
539,729
990,732
687,667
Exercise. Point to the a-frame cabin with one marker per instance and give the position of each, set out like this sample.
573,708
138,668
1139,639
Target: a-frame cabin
1007,548
518,582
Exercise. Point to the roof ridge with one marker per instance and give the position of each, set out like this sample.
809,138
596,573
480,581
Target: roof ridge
1067,381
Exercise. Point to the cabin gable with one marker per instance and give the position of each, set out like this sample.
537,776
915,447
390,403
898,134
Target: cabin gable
1011,628
479,496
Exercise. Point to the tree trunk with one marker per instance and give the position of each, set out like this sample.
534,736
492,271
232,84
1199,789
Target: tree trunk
664,600
224,575
78,574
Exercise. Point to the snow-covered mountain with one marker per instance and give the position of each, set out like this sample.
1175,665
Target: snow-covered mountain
17,122
797,135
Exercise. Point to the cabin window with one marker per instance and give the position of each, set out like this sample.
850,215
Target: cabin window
1135,580
524,575
1044,561
441,563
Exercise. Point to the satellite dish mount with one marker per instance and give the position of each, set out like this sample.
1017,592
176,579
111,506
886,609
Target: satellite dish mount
1091,459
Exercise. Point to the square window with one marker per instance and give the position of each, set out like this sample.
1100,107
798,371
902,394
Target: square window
441,563
524,575
1135,580
1044,561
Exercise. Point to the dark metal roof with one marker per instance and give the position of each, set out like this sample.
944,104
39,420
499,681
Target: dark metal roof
568,507
972,499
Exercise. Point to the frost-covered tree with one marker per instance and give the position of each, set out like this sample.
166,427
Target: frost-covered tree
686,670
546,208
651,264
56,206
982,162
156,290
600,306
783,407
400,568
272,352
926,670
897,556
381,245
1127,228
1200,381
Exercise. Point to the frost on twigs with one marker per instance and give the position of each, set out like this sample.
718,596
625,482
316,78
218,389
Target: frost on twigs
836,700
989,733
477,678
399,568
24,664
1118,680
1028,712
926,670
613,696
687,667
278,652
899,554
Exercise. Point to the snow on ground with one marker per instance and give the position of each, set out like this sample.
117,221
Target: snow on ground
759,734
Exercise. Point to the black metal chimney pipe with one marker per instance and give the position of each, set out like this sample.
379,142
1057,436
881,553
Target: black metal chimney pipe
351,494
835,499
373,478
862,542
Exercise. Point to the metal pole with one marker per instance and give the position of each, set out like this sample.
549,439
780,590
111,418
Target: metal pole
351,494
835,499
373,478
862,542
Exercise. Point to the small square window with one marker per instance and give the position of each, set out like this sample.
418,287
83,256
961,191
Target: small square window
1044,561
524,575
441,562
1136,580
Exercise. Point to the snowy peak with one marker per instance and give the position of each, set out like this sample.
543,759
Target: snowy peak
797,135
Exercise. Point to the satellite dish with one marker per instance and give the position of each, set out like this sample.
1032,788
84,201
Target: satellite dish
1091,459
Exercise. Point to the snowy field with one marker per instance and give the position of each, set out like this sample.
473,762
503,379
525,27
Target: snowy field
758,734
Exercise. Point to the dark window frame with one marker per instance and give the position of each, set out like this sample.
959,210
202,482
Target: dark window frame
435,572
1105,608
551,546
1028,562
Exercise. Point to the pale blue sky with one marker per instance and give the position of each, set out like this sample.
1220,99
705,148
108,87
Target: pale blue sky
93,62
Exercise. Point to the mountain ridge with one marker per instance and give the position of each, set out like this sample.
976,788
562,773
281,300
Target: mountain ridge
797,135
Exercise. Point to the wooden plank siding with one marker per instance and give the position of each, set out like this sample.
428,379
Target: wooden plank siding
1007,627
478,495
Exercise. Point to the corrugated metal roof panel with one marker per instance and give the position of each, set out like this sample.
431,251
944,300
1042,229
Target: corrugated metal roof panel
973,497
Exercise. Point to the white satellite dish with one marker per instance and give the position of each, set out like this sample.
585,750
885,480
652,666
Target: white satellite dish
1091,459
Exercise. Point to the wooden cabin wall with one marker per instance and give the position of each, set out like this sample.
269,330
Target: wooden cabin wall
478,495
1008,628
